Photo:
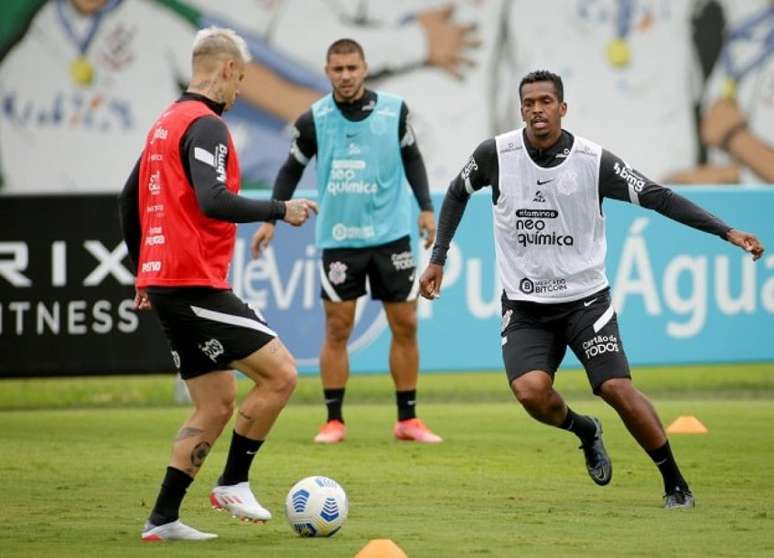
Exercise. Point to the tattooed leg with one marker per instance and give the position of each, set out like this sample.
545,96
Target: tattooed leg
199,454
188,432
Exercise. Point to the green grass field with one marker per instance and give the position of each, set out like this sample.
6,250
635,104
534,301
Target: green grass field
82,459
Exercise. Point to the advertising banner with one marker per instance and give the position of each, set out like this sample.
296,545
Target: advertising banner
682,296
66,295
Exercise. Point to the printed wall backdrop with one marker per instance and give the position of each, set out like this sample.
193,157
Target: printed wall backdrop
658,82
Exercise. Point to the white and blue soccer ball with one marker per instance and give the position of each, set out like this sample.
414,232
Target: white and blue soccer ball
316,507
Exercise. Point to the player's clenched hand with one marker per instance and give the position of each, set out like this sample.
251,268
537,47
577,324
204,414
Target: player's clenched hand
298,211
141,300
747,242
427,227
430,281
261,239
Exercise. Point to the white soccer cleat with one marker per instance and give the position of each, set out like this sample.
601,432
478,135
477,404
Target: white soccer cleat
239,500
174,531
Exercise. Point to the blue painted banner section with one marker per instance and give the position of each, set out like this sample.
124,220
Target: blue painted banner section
682,296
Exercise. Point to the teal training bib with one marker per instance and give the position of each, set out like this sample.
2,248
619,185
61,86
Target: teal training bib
363,193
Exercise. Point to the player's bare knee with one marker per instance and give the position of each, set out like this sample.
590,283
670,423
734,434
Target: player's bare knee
530,395
284,379
289,379
337,331
224,415
615,391
218,413
405,331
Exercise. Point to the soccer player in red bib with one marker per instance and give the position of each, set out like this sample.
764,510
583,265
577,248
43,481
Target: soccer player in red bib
179,210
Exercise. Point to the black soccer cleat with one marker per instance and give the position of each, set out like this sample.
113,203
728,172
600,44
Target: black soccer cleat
598,463
679,499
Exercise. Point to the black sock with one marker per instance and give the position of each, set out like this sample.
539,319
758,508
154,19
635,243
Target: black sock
582,426
407,402
240,457
334,399
173,487
667,465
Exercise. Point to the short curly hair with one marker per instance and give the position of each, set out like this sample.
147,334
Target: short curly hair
544,75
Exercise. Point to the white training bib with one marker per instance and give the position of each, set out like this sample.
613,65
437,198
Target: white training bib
548,225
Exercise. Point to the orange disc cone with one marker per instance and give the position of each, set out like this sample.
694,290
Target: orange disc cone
381,548
686,425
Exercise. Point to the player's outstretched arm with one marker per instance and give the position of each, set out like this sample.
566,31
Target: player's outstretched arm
747,242
619,181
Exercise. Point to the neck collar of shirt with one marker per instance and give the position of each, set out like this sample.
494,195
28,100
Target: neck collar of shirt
366,103
551,156
217,108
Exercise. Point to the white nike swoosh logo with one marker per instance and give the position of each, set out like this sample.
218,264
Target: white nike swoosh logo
251,452
589,302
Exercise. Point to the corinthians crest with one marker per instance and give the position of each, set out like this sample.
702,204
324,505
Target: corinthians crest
337,273
567,183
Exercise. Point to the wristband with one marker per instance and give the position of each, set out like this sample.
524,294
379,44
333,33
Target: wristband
280,210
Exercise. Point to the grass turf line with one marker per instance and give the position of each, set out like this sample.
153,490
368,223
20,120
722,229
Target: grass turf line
752,381
79,481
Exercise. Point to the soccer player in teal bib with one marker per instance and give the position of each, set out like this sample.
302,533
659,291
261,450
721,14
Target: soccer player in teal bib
366,153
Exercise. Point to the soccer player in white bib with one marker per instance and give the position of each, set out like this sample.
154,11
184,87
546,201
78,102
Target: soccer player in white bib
547,191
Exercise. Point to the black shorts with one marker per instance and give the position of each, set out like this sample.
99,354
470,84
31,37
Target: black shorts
390,269
207,329
535,337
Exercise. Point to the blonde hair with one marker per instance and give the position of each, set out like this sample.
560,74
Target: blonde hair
219,42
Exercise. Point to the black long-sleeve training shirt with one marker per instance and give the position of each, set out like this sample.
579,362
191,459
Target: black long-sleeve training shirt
304,147
482,169
215,200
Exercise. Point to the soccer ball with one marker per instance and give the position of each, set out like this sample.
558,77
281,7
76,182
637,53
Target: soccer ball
316,507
